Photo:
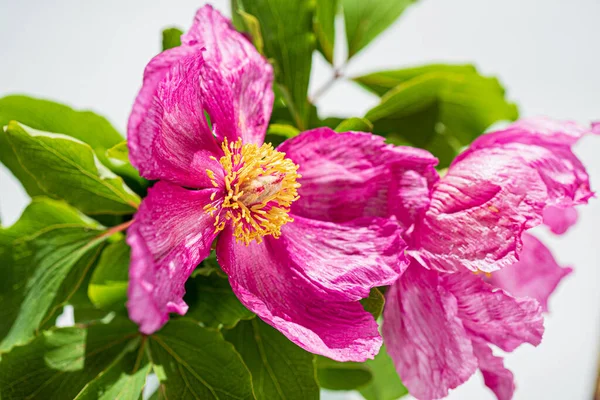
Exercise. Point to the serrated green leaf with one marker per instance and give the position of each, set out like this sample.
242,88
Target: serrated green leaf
171,37
50,245
60,362
374,303
439,111
213,303
197,363
68,169
324,26
289,41
279,368
124,379
354,124
365,20
335,375
108,286
386,385
52,117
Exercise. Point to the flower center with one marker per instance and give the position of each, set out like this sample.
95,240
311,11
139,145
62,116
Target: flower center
260,186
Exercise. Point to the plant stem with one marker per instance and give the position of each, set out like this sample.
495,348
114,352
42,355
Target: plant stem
337,74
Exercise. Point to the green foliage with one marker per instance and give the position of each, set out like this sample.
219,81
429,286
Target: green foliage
68,169
195,362
108,286
118,158
354,124
335,375
365,20
287,32
52,117
52,244
171,37
324,27
374,303
280,369
386,385
440,108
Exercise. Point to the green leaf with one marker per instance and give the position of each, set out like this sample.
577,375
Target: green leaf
439,111
279,368
60,362
213,303
52,117
52,244
381,82
335,375
108,285
68,169
197,363
278,133
118,157
365,20
124,379
354,124
386,385
171,37
252,26
374,303
324,27
289,41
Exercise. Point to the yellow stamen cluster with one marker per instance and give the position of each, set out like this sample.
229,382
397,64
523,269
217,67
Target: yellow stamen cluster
260,186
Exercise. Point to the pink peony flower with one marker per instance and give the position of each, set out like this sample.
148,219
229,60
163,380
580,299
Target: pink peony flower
475,278
295,227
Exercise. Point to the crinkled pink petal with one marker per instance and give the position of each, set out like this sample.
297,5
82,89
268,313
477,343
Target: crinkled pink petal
495,375
349,258
247,76
596,128
536,275
494,315
174,141
294,284
170,235
559,219
424,335
354,174
496,190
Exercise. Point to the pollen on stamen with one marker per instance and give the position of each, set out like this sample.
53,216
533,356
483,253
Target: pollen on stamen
260,185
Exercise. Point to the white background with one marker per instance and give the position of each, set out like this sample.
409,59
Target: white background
91,55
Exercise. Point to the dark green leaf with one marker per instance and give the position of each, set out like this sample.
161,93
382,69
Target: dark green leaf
197,363
439,111
108,285
52,117
386,385
335,375
171,37
355,124
287,32
213,303
60,362
365,20
324,26
280,369
50,245
374,303
68,169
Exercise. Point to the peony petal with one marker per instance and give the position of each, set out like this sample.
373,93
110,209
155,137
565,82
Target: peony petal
424,336
559,219
354,174
267,280
495,375
174,141
493,314
170,235
536,275
496,190
247,76
348,258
